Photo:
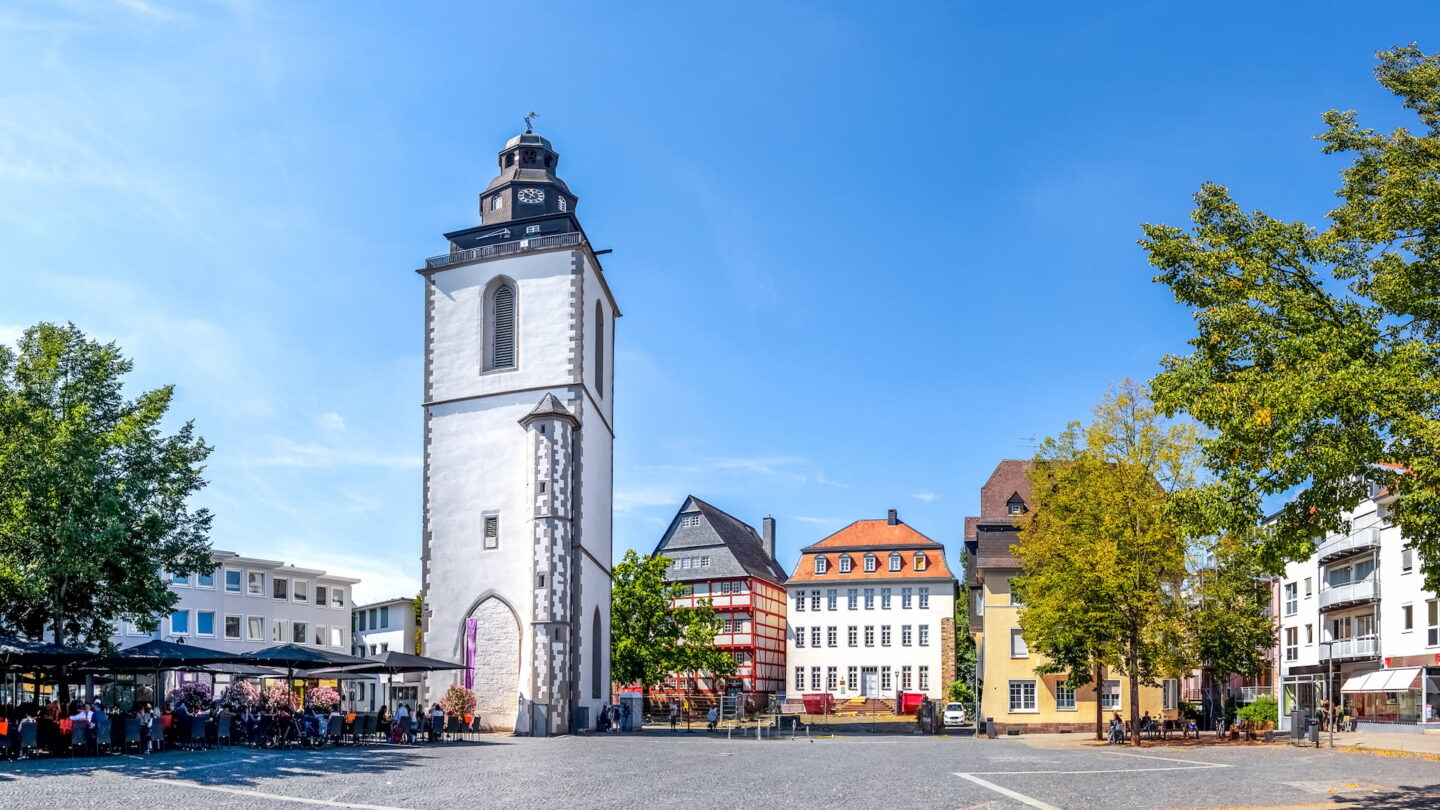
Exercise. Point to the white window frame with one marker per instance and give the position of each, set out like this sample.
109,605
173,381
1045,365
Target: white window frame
814,679
905,598
832,599
924,631
300,632
1017,642
845,563
181,582
923,673
1291,592
924,596
921,561
203,587
530,230
885,598
209,613
832,636
894,562
870,562
239,585
1407,618
258,593
815,601
907,633
799,637
869,635
884,635
239,629
1010,587
1065,700
852,598
815,636
188,625
489,541
337,597
1110,700
821,563
1432,627
907,678
1407,560
853,636
869,598
832,677
1025,696
273,581
1292,644
300,591
248,624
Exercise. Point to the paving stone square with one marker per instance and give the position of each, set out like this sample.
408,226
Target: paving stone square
660,769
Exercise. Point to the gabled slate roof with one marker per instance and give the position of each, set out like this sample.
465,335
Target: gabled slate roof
733,546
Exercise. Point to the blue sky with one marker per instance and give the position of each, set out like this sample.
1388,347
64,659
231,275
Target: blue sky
863,250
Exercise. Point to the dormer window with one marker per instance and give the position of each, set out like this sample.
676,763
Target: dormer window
497,202
921,561
563,203
821,565
692,519
894,561
845,563
870,563
1016,505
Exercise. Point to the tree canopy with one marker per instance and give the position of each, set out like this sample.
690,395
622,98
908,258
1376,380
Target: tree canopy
93,494
1316,358
650,637
1102,559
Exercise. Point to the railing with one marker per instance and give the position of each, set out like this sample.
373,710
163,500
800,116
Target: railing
1356,647
1335,547
1343,594
504,248
1250,694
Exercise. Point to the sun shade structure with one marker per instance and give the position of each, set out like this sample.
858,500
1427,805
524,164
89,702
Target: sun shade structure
155,655
294,656
396,663
22,652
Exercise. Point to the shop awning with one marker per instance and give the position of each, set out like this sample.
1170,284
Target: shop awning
1383,680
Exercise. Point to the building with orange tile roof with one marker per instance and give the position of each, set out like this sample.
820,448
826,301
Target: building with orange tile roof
871,614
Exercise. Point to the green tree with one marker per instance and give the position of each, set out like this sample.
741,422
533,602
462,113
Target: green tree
1228,627
1102,560
1317,351
650,637
93,496
962,690
418,605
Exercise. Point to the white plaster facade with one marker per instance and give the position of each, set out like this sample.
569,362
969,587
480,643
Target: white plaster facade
1362,592
540,597
251,603
378,628
877,669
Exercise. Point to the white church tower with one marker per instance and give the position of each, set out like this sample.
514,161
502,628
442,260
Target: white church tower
519,341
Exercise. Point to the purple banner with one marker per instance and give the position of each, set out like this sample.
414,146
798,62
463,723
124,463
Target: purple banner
470,653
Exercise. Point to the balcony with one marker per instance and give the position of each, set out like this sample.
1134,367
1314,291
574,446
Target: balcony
1250,694
1354,593
503,248
1357,647
1339,547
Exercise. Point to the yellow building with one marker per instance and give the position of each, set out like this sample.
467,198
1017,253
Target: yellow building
1012,693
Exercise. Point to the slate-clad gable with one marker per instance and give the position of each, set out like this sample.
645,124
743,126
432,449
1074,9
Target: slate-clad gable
733,546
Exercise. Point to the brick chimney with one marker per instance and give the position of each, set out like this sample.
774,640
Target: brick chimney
893,518
767,536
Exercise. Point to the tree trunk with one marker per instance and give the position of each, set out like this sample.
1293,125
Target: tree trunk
1134,706
1099,706
62,690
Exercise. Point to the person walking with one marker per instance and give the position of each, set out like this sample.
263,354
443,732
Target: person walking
625,717
674,716
711,718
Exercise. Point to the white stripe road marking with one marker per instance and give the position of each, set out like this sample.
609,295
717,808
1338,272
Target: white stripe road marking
1167,759
258,794
1007,792
1103,770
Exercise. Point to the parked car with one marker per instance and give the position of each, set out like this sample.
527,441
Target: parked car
954,714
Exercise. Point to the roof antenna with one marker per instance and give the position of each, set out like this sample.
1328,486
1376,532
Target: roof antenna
528,116
1029,441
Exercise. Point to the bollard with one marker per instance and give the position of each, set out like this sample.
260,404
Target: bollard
990,728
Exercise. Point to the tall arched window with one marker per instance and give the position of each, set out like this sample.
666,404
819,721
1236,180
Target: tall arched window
595,653
500,329
600,349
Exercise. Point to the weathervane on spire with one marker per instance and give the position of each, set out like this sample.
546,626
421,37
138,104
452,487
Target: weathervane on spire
528,116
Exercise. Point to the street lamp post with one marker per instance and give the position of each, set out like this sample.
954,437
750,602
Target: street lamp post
1325,648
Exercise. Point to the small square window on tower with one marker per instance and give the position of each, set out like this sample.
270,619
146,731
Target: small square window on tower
492,532
532,229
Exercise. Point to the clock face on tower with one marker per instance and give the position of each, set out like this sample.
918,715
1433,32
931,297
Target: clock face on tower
532,196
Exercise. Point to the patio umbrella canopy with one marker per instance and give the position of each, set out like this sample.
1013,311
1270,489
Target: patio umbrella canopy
23,652
395,663
294,656
156,655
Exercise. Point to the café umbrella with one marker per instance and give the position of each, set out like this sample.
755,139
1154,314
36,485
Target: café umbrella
394,663
155,656
291,657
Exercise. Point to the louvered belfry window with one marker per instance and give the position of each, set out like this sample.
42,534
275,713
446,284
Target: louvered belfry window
502,330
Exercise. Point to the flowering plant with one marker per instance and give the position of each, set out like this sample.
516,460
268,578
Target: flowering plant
196,696
458,701
241,694
278,694
323,697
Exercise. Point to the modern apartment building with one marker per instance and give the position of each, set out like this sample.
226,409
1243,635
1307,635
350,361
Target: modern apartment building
1012,692
250,603
721,558
872,614
378,628
1356,622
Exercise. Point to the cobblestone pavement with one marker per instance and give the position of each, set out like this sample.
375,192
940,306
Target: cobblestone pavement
673,770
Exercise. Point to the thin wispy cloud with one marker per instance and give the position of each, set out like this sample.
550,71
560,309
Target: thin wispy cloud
924,497
289,453
330,421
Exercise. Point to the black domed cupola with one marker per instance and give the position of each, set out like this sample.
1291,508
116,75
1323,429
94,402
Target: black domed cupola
527,186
